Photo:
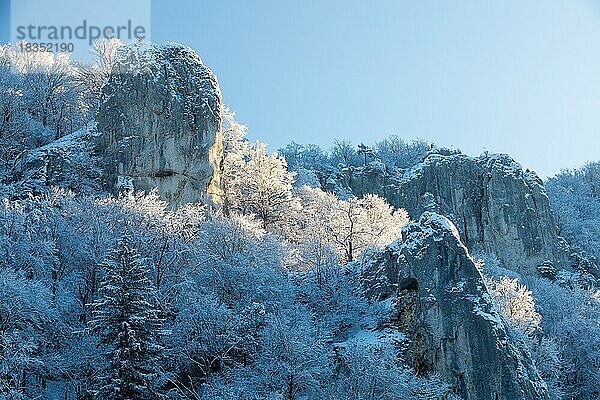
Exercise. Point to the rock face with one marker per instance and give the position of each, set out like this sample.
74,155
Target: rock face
160,124
442,305
498,208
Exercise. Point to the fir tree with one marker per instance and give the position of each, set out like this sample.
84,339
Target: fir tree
128,327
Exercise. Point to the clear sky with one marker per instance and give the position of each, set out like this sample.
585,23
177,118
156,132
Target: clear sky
514,76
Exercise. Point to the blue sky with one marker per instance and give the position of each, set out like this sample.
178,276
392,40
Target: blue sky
520,77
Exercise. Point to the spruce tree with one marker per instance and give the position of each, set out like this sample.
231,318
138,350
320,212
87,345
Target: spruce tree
128,326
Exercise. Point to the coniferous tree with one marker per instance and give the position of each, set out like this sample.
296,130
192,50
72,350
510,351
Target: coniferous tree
128,327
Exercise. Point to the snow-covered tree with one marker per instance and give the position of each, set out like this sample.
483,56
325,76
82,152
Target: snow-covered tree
292,363
575,199
257,183
90,78
209,337
304,157
128,326
570,321
343,154
394,151
370,371
41,101
234,133
27,240
241,264
49,91
25,319
350,226
516,303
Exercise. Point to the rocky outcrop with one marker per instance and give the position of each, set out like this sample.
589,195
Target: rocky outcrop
67,162
160,124
498,208
442,305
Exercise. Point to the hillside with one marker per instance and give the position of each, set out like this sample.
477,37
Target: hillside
150,251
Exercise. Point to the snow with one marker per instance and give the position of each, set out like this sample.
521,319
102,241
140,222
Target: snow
482,306
165,63
228,283
68,142
124,183
502,163
458,288
439,221
429,225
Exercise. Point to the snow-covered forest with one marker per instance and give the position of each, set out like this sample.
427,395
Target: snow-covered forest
121,295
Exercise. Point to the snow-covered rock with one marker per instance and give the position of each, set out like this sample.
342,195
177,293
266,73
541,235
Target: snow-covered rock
497,207
67,162
443,307
160,123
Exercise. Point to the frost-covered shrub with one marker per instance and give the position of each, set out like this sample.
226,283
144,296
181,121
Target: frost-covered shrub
516,303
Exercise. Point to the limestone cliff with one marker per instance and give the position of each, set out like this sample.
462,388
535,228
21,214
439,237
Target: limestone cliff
497,207
442,305
160,123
